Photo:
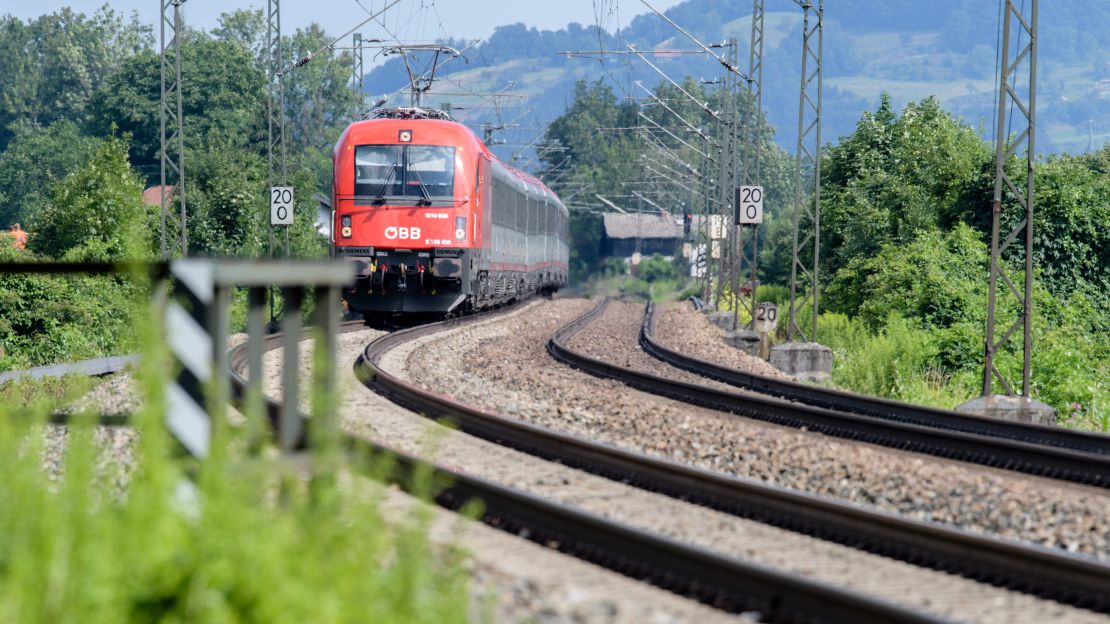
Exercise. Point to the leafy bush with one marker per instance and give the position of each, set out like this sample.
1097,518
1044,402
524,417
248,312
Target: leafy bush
614,266
99,202
50,318
778,295
900,361
938,278
655,268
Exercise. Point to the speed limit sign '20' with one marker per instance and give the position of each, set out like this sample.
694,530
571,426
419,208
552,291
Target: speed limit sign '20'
749,205
281,205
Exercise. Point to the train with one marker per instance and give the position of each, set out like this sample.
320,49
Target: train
435,223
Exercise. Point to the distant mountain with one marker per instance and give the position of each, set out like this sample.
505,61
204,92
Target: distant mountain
908,48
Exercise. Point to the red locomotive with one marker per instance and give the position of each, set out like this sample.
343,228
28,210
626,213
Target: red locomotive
436,223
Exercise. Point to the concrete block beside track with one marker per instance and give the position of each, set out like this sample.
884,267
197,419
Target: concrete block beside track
1016,408
807,361
725,320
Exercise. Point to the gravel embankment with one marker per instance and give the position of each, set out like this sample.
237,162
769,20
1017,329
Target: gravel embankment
115,462
679,327
531,583
607,339
116,395
116,445
512,358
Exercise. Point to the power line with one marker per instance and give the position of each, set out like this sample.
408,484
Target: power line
306,59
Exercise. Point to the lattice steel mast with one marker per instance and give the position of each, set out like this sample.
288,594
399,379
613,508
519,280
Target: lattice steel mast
359,74
730,177
1026,108
753,144
275,108
808,157
175,241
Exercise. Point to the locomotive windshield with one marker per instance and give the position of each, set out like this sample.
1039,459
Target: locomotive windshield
409,171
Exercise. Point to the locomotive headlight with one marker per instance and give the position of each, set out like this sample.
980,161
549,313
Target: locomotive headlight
345,220
346,231
460,228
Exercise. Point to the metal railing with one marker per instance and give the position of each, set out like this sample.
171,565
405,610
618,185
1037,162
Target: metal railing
195,296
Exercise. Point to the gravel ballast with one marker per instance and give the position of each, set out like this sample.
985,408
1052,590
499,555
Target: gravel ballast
512,357
365,412
680,328
514,580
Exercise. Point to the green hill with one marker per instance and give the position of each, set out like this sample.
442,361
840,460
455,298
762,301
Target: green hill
906,48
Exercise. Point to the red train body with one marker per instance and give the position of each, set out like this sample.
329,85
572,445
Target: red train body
436,223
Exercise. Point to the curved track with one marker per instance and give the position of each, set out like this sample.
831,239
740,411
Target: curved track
1076,580
979,448
818,396
720,581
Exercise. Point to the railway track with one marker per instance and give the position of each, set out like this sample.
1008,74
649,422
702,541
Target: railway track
1075,580
818,396
977,446
709,577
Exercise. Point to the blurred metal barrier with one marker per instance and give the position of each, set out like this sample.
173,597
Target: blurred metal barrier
195,296
197,320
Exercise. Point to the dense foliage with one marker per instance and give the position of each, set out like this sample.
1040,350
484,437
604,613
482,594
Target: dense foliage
98,206
94,213
79,141
33,162
905,232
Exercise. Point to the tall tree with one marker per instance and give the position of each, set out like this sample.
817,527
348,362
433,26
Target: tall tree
223,95
98,207
36,158
246,28
51,66
895,176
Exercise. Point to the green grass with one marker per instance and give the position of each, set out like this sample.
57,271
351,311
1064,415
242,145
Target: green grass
899,361
257,541
43,393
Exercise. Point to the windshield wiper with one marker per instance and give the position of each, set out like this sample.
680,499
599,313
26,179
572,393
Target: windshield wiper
427,201
380,199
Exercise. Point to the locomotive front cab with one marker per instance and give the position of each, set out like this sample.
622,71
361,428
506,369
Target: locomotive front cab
405,214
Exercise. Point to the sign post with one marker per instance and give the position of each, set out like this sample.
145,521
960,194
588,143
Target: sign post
281,205
717,227
765,320
749,205
698,261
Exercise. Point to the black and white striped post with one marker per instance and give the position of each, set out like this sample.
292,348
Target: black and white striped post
197,318
194,316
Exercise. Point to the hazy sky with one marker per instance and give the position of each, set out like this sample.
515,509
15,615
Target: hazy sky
409,20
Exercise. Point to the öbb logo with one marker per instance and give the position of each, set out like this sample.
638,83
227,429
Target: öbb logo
402,233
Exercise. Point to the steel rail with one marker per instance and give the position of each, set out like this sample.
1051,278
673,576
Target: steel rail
722,582
96,367
1035,459
1073,579
1044,435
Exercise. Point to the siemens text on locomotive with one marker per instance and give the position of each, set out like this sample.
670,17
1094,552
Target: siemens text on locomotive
436,223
